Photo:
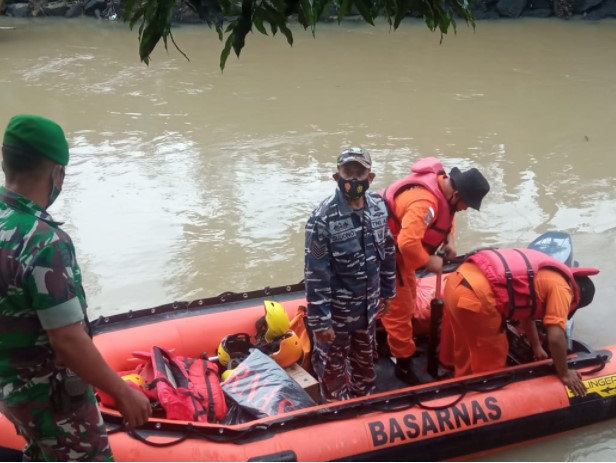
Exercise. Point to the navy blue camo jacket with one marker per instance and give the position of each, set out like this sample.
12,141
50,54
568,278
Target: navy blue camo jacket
350,263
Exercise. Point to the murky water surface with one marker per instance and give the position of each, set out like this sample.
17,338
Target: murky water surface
185,182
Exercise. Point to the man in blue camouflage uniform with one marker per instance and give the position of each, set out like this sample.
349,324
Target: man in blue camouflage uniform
42,311
350,279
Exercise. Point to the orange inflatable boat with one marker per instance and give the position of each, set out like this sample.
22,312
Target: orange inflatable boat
439,419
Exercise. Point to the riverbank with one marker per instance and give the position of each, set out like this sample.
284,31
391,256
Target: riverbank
484,9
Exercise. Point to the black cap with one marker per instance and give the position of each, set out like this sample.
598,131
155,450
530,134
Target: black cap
587,290
471,185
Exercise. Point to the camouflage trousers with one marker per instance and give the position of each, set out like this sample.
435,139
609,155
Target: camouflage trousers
345,368
78,435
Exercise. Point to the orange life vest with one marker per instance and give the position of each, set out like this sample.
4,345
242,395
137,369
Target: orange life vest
188,389
511,274
424,173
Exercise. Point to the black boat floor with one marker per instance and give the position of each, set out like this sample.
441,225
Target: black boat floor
386,380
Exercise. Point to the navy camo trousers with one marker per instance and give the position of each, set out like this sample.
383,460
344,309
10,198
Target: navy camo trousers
345,368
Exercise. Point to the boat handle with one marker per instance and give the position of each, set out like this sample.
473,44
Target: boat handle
599,367
135,435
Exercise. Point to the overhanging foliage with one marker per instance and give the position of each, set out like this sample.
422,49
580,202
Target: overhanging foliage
155,17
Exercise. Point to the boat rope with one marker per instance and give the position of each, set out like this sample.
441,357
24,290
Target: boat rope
180,308
391,403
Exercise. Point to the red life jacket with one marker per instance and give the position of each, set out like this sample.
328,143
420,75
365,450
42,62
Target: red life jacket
424,173
511,274
187,388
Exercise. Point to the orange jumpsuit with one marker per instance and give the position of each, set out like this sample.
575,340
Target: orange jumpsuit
417,208
479,344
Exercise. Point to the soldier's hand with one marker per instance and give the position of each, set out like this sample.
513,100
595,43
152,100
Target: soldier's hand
134,407
435,264
325,336
573,380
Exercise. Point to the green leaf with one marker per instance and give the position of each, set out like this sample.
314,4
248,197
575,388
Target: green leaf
287,32
318,7
128,9
276,17
155,16
141,27
306,8
243,27
302,19
278,5
388,11
136,17
225,52
343,9
274,27
291,7
148,41
364,8
402,9
208,10
257,20
225,6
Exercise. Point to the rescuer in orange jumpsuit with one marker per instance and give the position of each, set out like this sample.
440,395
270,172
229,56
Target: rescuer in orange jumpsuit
478,301
421,207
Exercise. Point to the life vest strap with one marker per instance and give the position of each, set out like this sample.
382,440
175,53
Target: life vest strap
510,290
531,282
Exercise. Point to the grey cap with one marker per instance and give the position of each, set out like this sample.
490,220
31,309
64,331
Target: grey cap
355,154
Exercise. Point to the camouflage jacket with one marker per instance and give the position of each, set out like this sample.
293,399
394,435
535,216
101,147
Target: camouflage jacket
40,289
349,263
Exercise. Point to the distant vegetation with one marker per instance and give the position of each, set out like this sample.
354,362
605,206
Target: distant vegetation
234,20
155,16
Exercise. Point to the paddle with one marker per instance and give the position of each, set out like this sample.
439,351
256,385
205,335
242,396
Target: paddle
436,314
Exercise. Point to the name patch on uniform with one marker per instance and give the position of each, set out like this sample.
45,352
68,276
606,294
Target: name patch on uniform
378,222
347,235
342,230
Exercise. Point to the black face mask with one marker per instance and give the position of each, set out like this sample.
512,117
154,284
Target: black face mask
353,188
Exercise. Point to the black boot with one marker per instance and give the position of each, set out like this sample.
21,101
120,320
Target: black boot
404,371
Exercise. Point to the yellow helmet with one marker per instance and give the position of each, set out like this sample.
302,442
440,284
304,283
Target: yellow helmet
132,378
275,323
233,346
232,365
287,350
135,378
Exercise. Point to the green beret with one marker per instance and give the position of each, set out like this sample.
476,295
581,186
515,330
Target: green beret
38,135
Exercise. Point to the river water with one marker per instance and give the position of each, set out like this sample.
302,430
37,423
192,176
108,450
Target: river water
187,182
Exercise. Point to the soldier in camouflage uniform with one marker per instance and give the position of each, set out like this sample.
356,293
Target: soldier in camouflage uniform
350,279
42,311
